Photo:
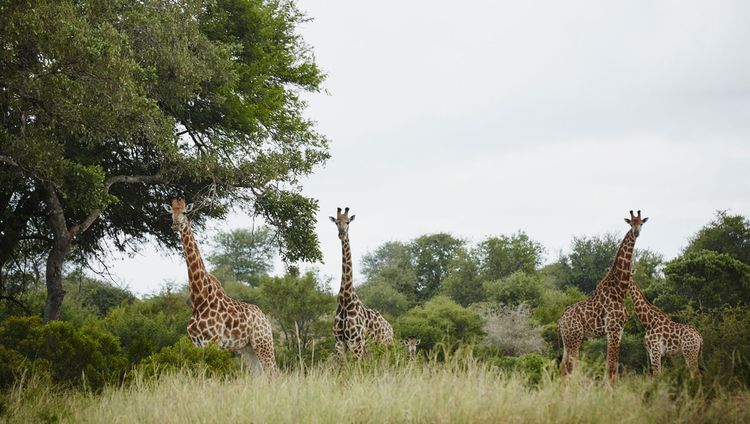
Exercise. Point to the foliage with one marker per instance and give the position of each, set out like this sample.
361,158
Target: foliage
298,304
94,293
554,302
510,328
726,344
246,254
530,365
729,234
392,263
589,260
708,279
381,296
183,355
109,108
86,356
516,289
440,320
463,283
432,255
503,255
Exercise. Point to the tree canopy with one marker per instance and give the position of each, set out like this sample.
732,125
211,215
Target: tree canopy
111,107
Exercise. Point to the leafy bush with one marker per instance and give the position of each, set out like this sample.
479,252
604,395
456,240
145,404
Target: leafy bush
86,356
518,288
12,364
440,320
533,366
726,344
216,362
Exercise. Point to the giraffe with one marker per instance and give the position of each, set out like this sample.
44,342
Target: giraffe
603,313
665,337
231,324
354,321
411,345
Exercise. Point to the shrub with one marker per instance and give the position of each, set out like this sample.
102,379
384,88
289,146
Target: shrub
440,320
216,362
510,328
518,288
533,366
87,356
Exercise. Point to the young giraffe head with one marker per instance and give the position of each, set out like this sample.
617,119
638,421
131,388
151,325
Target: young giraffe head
636,222
178,209
411,345
342,221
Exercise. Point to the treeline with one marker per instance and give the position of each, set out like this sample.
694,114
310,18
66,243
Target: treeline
494,297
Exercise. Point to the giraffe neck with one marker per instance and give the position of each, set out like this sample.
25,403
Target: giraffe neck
197,275
347,286
648,314
622,265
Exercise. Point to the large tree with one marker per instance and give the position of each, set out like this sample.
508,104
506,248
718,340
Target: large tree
109,107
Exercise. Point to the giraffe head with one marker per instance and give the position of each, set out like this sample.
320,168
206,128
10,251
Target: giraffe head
178,209
342,221
635,223
411,345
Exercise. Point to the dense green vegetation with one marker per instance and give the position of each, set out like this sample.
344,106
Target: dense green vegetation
106,334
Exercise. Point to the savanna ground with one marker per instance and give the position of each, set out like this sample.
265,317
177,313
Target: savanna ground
392,389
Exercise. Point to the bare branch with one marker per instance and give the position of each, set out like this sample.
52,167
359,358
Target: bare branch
132,179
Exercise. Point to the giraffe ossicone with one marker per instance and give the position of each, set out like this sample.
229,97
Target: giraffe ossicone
603,313
353,322
216,317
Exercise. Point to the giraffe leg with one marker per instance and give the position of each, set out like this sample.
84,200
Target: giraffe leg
654,357
614,338
359,348
251,360
262,346
571,346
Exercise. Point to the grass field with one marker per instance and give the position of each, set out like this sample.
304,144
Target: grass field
393,393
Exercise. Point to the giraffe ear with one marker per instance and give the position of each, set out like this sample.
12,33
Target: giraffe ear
406,343
167,207
418,342
351,218
627,220
644,219
332,219
188,208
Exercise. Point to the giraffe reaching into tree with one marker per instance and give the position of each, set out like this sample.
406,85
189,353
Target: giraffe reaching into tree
411,345
665,337
231,324
602,314
354,321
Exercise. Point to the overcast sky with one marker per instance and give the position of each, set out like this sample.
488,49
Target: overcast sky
484,118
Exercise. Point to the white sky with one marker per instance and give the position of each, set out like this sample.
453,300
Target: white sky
483,118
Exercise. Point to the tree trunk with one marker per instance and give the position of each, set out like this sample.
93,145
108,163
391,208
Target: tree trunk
56,257
53,275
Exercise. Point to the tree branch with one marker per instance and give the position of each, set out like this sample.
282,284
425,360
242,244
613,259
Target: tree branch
118,179
17,302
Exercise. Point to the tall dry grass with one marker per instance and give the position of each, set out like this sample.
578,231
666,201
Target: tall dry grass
378,391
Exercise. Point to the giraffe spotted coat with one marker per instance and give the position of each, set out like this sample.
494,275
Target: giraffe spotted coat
602,314
217,318
353,322
665,337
